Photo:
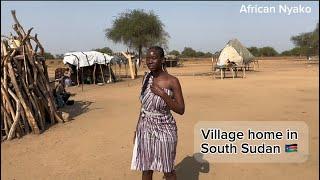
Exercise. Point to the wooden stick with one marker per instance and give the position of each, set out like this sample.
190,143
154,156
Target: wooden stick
94,73
130,64
120,71
4,48
5,95
41,113
29,114
33,66
115,71
25,65
102,74
110,75
78,77
44,86
78,71
46,101
20,128
35,103
6,115
17,115
126,67
48,91
17,129
19,30
35,38
82,78
25,122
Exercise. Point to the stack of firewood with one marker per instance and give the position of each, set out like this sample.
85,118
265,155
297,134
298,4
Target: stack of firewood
27,101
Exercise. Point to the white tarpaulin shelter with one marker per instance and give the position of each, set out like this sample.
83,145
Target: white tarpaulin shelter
235,52
84,59
87,63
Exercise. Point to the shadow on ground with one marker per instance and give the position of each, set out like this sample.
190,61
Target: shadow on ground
79,107
191,167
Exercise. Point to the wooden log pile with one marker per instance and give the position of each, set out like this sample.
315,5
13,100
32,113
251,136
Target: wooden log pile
27,102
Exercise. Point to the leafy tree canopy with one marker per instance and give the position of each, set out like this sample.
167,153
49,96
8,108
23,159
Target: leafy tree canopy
174,52
307,42
138,29
48,55
106,50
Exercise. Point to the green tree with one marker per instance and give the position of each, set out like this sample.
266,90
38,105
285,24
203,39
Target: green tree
208,54
200,54
304,42
138,29
307,42
174,52
268,51
189,52
286,53
106,50
315,40
254,51
292,52
48,55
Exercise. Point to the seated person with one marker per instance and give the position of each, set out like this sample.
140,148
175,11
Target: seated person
67,75
60,94
230,63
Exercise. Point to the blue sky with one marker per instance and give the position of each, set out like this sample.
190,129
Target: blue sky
204,26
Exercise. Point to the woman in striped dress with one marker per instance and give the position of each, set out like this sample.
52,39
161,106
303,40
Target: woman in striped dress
156,132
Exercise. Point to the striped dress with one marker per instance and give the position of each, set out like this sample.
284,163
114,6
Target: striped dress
156,134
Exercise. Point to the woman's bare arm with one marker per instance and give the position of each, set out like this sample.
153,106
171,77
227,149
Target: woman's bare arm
176,104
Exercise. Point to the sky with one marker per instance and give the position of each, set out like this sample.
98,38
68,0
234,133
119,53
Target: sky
205,26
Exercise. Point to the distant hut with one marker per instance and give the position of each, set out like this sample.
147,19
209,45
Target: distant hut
89,67
171,60
235,52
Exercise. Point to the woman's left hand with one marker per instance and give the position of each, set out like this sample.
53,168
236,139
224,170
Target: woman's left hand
157,90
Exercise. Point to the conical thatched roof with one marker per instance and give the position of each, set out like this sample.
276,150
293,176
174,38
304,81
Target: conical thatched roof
242,50
235,52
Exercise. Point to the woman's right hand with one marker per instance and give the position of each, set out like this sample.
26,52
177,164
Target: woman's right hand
157,90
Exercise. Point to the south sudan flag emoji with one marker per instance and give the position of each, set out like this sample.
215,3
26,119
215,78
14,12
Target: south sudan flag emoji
291,148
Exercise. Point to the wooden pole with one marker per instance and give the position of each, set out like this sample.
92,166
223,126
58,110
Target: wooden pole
115,71
16,117
78,77
5,96
25,122
30,116
77,69
120,67
126,70
212,64
110,75
5,115
82,78
102,74
130,64
94,74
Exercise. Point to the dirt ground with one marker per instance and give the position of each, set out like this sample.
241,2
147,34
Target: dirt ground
97,143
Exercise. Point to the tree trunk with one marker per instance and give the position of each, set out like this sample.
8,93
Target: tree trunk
135,64
140,54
